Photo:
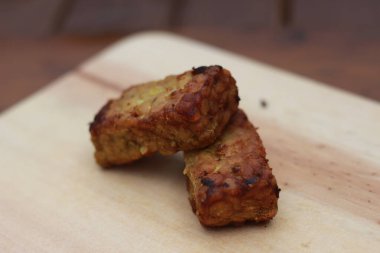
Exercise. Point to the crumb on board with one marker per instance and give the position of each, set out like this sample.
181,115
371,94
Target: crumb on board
263,103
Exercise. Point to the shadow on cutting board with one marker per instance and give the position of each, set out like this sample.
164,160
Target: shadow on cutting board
164,168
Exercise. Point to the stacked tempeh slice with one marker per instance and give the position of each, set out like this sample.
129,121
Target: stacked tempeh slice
229,179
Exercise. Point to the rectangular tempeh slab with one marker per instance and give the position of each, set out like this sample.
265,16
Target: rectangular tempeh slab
181,112
323,144
230,181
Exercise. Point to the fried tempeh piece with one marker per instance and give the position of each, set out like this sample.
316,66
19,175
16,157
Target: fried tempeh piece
182,112
230,182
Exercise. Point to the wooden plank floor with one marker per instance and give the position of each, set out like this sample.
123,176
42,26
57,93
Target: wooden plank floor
345,60
28,64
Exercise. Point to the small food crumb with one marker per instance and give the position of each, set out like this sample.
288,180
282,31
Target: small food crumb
263,103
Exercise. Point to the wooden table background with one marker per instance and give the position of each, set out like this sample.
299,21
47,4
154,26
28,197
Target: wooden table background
336,42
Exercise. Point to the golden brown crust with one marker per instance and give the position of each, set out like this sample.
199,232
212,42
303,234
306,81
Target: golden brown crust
182,112
230,182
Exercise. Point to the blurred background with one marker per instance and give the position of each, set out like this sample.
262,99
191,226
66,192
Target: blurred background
333,41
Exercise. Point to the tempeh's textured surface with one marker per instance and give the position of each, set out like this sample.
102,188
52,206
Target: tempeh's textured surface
230,182
183,112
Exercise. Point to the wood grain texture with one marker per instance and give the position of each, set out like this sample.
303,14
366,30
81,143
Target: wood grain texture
323,144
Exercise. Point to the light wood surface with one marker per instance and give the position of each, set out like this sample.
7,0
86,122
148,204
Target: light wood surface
323,145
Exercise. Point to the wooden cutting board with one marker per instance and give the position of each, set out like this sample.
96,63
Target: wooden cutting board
323,145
